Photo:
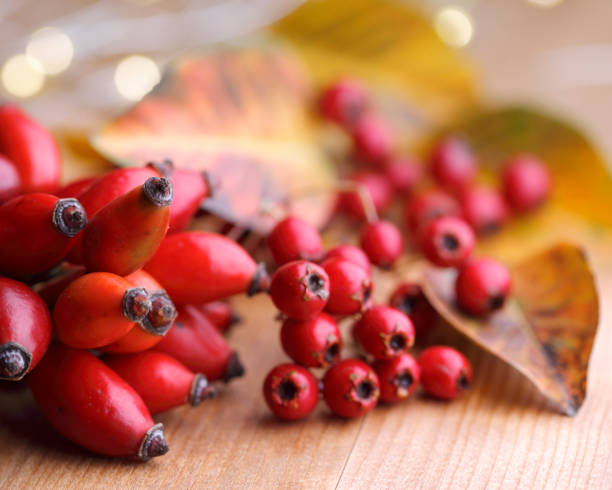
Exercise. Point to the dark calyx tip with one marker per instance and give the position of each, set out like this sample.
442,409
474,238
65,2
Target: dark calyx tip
15,361
161,316
200,390
316,285
212,183
497,301
136,304
235,319
165,167
364,390
159,191
260,282
234,369
463,383
450,242
153,443
69,216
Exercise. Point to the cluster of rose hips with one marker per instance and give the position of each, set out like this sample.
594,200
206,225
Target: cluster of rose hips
134,302
443,216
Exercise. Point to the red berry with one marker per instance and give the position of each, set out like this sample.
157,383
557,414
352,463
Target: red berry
482,286
351,388
376,185
190,189
426,206
220,314
398,377
76,187
409,299
344,101
484,209
403,173
526,182
351,253
350,289
448,241
373,139
10,182
453,164
291,391
384,332
382,242
314,343
445,372
300,289
294,239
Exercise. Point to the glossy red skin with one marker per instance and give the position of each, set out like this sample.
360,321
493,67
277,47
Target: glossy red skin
353,254
482,286
379,188
526,182
50,290
294,239
378,326
29,242
161,381
410,300
219,313
350,287
339,386
31,148
403,173
373,139
453,164
10,182
190,189
76,187
420,209
195,342
307,342
448,227
382,242
306,385
442,369
390,373
88,314
344,101
89,403
484,209
198,267
292,294
24,319
125,234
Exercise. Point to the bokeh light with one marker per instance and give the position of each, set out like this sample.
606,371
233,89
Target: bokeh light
136,76
22,76
545,3
454,26
52,48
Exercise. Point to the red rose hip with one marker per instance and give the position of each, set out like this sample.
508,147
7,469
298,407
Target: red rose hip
350,287
291,391
384,332
453,164
220,314
445,372
398,377
526,182
294,239
484,209
382,242
10,183
482,286
314,343
351,388
448,241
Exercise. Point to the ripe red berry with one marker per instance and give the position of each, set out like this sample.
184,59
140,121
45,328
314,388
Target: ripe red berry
482,286
376,185
353,254
190,189
76,187
445,372
300,289
453,164
373,139
448,241
291,391
403,173
526,182
382,242
398,377
484,209
384,332
220,314
344,101
350,287
314,343
294,239
420,209
351,388
409,299
10,183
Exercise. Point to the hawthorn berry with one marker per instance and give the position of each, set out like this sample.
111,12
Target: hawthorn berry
408,298
350,287
403,173
351,388
482,286
344,101
291,391
448,241
484,209
315,342
382,242
376,185
352,254
425,206
398,376
373,139
445,372
526,182
384,332
294,239
453,164
300,289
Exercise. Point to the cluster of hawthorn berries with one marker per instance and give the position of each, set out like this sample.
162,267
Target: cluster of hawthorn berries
443,216
135,305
